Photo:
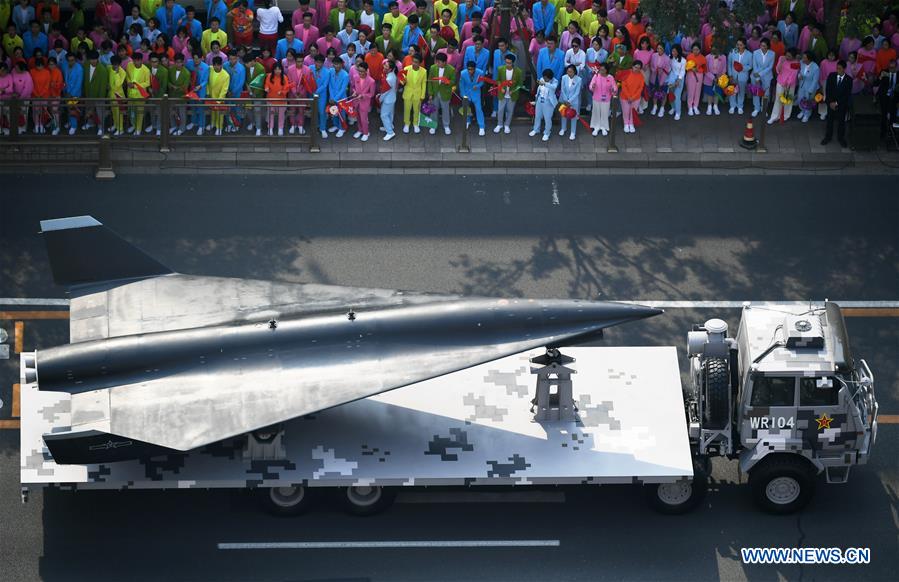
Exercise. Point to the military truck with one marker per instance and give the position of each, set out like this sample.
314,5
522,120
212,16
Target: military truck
785,399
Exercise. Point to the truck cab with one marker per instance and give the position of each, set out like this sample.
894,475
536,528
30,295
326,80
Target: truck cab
797,403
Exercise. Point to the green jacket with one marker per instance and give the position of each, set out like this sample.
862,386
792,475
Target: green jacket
334,19
162,77
391,45
98,86
820,48
620,63
500,76
254,71
439,89
178,87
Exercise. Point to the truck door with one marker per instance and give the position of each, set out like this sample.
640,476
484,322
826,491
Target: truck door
771,414
825,425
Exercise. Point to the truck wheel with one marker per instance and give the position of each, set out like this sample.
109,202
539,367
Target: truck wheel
679,497
286,501
717,394
367,499
782,484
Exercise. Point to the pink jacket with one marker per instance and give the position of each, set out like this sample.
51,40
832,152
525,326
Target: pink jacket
365,89
716,66
603,88
787,73
659,67
6,86
22,84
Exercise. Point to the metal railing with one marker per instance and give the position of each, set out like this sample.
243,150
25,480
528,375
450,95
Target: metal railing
169,117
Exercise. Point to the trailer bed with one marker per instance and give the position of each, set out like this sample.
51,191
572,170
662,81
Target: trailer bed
472,427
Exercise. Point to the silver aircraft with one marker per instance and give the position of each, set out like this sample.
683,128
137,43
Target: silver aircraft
160,361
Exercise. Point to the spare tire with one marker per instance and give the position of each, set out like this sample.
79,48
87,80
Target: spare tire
716,393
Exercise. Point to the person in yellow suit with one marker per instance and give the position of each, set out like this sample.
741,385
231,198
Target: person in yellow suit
118,77
219,81
138,89
415,83
148,8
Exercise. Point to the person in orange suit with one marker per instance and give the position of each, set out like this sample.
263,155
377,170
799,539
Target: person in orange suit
40,78
632,85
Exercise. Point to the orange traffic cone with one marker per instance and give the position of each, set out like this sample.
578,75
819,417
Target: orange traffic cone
749,141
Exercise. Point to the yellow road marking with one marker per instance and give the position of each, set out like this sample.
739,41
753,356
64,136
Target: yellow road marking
16,404
888,418
34,314
20,336
12,424
870,312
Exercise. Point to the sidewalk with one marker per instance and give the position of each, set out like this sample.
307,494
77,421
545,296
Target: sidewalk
704,142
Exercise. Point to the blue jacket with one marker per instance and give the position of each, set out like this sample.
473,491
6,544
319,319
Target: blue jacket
194,28
218,9
546,95
282,46
322,80
469,86
544,18
745,59
74,80
499,59
481,60
555,63
238,76
763,64
170,28
389,96
410,38
202,78
30,43
808,83
571,90
338,85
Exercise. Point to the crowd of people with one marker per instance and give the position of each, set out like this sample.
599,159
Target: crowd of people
569,60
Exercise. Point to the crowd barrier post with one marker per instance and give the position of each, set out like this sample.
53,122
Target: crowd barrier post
612,148
464,146
314,146
164,123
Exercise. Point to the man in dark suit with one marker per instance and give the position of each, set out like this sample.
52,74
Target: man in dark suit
839,91
888,97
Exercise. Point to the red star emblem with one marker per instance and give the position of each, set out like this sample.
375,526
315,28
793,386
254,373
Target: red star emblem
824,421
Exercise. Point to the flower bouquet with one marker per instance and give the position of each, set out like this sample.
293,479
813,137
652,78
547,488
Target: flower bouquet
723,81
755,90
819,97
806,104
690,65
567,111
530,108
730,90
427,108
786,98
659,93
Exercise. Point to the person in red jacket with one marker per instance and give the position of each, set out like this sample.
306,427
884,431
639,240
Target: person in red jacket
632,84
40,79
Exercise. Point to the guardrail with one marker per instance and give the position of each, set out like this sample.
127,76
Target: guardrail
168,116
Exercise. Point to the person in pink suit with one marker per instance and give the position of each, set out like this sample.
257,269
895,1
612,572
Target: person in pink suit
604,88
364,88
716,65
659,68
306,31
23,87
109,13
826,67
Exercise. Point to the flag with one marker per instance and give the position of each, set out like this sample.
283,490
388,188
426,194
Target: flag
427,121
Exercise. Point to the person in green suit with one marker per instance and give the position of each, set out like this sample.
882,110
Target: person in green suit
620,59
508,81
179,85
255,81
441,80
816,43
338,16
159,86
96,86
385,41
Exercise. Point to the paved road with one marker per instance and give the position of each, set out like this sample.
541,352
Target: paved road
716,238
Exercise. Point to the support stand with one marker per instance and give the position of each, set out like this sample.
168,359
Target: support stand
554,400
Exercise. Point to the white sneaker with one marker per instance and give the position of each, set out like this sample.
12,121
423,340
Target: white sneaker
708,110
357,135
677,117
301,130
731,110
571,137
71,131
506,129
493,115
250,126
100,132
189,126
481,131
405,129
532,133
271,131
172,130
805,119
716,110
447,130
562,132
755,112
281,131
823,117
218,132
432,130
595,132
382,128
771,121
324,134
85,127
661,112
158,132
740,111
604,132
258,132
497,129
389,136
690,111
545,137
291,130
655,109
416,128
340,133
332,129
148,129
200,131
364,137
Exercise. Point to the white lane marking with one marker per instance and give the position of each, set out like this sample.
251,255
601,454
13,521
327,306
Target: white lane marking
32,301
37,301
390,544
555,193
481,497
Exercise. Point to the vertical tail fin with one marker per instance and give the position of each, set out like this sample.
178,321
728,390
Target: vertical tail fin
83,251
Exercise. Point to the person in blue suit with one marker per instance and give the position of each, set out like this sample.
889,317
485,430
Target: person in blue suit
543,14
169,16
470,86
551,58
762,72
322,76
478,54
809,82
74,77
570,93
740,78
238,79
545,105
338,85
200,70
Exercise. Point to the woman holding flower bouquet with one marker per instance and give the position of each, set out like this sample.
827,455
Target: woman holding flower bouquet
739,64
787,77
809,75
716,65
696,69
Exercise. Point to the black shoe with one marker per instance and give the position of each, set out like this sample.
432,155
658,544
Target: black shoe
843,143
825,141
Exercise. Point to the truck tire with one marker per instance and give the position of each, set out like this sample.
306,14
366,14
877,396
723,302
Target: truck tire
782,484
717,394
286,501
680,497
366,499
